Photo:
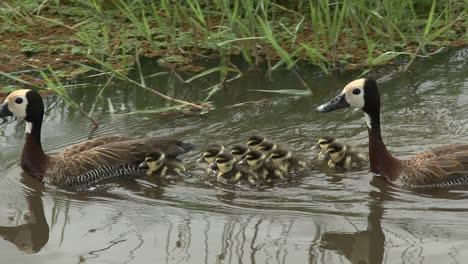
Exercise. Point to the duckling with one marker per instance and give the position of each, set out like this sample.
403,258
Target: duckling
254,141
210,153
238,151
323,143
157,164
287,161
258,163
228,169
209,156
340,156
267,147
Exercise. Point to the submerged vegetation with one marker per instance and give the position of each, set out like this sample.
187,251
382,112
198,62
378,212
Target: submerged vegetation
65,39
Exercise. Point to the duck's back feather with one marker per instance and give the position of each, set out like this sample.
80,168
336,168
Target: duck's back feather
436,166
78,160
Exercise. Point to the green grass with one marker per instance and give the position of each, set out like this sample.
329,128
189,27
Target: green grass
326,33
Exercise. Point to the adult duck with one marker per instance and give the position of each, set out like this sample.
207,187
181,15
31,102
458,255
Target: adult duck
439,167
76,161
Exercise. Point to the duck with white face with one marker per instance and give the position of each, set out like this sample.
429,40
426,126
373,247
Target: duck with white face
340,156
289,162
229,170
443,166
85,163
254,141
156,164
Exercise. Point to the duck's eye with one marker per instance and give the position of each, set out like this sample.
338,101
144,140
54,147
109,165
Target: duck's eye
275,156
221,161
208,155
356,91
150,159
19,100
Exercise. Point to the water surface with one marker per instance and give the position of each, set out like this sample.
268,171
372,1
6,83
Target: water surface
324,216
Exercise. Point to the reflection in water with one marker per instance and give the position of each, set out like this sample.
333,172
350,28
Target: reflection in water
313,219
30,237
366,246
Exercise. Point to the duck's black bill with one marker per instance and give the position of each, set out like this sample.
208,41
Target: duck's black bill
5,111
337,103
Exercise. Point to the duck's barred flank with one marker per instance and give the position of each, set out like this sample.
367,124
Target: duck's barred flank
101,174
463,181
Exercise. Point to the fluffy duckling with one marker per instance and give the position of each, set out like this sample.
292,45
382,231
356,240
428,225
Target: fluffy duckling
322,144
209,156
258,163
287,161
228,169
267,147
254,141
341,156
238,151
157,164
210,153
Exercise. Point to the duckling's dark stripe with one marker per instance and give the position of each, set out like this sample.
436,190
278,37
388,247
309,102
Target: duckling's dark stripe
103,173
444,184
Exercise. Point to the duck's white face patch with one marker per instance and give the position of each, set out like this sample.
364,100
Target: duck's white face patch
354,93
17,103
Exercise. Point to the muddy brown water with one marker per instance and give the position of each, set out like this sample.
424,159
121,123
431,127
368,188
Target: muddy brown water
324,216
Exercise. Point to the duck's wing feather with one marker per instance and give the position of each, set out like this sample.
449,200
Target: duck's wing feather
448,149
89,144
439,169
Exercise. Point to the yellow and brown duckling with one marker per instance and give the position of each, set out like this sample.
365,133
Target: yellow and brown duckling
238,151
156,164
322,145
444,166
267,147
229,170
264,168
289,162
254,141
209,156
341,157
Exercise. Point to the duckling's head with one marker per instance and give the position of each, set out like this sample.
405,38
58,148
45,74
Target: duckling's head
360,93
211,152
225,162
336,152
254,141
323,142
153,161
279,156
266,146
26,104
238,151
254,159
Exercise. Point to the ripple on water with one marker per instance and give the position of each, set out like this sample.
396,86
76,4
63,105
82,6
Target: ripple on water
304,220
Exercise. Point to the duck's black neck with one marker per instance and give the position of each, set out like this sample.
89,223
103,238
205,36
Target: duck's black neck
33,159
381,161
